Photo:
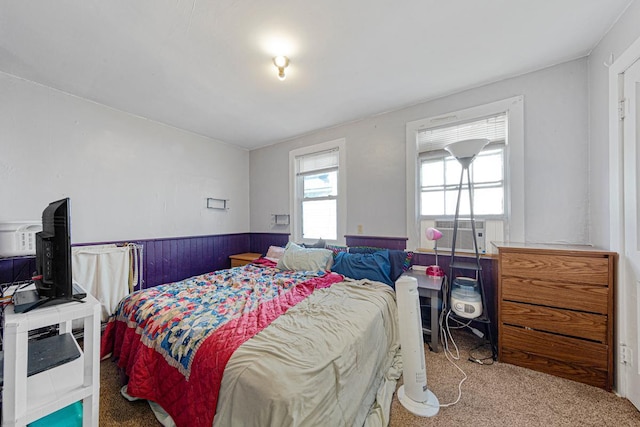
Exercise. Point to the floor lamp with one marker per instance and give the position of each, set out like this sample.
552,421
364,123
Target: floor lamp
468,304
464,152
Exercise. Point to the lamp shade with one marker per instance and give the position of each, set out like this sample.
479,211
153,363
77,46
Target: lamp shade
466,149
433,233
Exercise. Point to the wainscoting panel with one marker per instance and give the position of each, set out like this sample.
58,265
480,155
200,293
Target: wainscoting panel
260,242
170,260
17,268
164,260
399,243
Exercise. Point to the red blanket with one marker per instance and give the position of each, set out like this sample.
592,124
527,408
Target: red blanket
174,341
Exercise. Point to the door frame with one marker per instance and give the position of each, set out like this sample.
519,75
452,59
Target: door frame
616,205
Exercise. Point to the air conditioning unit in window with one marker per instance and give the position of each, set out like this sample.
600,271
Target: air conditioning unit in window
464,240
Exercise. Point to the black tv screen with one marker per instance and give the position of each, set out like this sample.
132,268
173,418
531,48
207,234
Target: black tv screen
53,252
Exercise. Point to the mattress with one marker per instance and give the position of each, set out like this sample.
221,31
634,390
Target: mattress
256,346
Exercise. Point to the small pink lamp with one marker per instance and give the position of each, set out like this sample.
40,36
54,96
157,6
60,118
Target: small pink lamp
434,234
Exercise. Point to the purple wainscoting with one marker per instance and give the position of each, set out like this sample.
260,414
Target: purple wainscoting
17,268
260,242
489,280
170,259
173,259
399,243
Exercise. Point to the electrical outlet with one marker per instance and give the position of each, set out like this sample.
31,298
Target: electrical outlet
625,355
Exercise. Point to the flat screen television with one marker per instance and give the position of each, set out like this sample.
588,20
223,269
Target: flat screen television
53,278
53,252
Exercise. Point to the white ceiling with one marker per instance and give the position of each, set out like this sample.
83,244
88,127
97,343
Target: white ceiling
205,66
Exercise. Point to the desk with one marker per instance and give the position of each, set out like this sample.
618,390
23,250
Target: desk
429,289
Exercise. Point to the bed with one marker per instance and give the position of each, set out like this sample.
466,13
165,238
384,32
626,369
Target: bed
259,345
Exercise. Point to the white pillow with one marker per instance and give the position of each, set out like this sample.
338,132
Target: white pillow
275,253
305,259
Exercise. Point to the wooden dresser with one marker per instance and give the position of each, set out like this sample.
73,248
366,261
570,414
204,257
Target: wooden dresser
555,310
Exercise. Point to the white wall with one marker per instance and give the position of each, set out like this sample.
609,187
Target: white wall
556,159
619,38
127,177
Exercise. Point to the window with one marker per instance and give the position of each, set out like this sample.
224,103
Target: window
497,173
318,192
440,173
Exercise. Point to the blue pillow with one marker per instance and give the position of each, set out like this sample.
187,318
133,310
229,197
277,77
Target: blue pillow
375,266
400,260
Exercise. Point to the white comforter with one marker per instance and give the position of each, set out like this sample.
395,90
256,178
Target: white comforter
332,360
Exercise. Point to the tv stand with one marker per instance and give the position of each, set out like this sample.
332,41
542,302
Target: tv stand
27,398
48,301
27,300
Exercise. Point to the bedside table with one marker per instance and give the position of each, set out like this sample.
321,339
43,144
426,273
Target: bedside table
242,259
28,396
429,288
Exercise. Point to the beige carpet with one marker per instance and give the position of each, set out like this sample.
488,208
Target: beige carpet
493,395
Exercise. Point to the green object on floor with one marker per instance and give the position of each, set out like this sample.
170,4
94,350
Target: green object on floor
69,416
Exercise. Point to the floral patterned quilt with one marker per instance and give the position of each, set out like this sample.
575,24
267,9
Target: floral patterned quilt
174,340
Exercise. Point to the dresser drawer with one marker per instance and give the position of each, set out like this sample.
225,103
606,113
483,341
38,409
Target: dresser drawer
558,268
570,350
574,296
565,357
584,374
559,321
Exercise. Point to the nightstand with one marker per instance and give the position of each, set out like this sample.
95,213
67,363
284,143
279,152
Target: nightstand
430,288
28,397
242,259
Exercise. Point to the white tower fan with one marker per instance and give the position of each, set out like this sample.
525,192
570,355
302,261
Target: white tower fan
413,394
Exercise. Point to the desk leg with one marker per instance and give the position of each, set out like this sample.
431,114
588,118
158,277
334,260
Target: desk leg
435,322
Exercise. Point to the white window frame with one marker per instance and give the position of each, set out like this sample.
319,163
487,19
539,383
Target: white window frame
440,155
294,192
514,164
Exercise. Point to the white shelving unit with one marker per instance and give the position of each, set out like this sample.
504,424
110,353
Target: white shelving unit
27,399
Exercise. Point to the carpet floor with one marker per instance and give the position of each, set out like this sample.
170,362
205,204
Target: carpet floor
493,395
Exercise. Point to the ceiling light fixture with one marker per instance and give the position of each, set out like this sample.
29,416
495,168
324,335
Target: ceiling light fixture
281,62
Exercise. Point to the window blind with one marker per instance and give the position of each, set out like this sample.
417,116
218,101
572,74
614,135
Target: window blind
317,161
493,128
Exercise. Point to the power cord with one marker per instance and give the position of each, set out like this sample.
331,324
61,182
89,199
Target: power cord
463,325
445,336
484,360
444,332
